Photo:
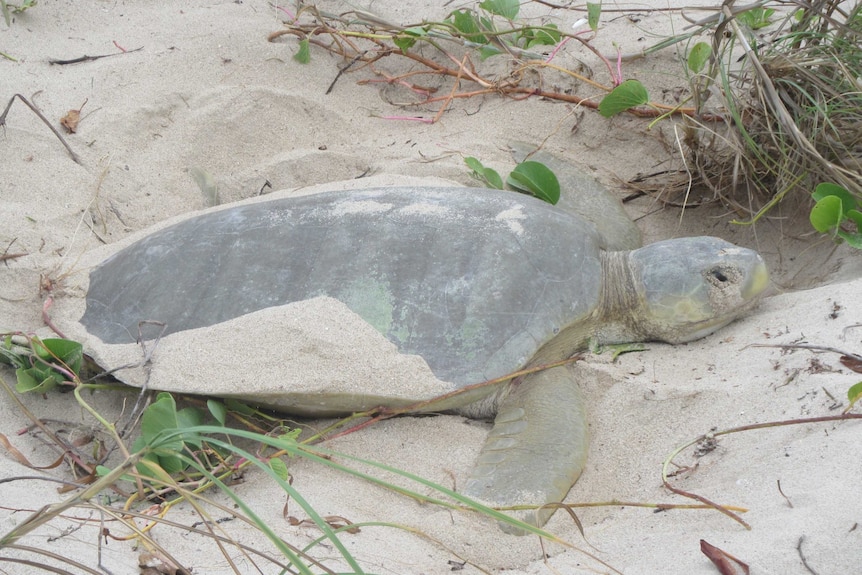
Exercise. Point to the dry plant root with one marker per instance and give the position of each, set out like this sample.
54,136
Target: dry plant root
364,42
42,117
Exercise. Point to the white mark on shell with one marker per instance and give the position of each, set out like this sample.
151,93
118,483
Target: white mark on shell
424,208
511,218
360,207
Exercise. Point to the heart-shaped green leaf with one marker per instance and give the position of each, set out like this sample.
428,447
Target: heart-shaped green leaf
279,468
217,410
537,179
489,176
36,380
627,95
408,37
826,214
848,202
698,55
465,22
547,35
506,8
594,12
303,55
69,352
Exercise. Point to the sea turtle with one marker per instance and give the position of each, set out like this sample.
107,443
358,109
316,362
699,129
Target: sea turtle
477,283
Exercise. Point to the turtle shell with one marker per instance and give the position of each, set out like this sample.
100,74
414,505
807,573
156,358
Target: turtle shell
474,281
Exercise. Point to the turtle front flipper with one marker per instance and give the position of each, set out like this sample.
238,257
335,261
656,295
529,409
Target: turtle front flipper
536,449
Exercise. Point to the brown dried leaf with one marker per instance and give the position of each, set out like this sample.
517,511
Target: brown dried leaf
334,521
22,459
726,563
72,118
86,480
337,522
13,451
851,363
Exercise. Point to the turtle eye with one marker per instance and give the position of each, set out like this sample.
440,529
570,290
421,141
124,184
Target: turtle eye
718,276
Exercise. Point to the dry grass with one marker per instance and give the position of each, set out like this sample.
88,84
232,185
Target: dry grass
792,107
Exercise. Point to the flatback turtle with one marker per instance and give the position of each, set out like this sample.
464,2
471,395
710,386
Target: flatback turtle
478,283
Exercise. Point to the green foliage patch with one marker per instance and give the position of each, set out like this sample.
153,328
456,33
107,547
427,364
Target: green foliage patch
533,178
43,364
487,29
836,213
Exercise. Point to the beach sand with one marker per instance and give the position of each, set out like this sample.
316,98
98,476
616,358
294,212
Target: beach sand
206,90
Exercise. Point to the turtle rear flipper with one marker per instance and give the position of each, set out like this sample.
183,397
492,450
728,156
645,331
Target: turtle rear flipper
537,447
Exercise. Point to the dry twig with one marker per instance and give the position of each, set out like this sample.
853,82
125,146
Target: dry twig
36,111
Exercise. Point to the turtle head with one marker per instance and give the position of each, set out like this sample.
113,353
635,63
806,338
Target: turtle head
689,287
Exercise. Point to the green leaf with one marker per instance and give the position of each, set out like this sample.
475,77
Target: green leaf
698,56
15,355
279,467
474,164
69,352
756,18
102,471
853,240
854,394
627,95
594,12
38,372
217,410
35,380
824,189
465,22
548,35
506,8
493,179
417,31
303,55
537,179
292,435
160,416
854,216
826,214
404,42
239,407
170,462
407,38
190,417
487,51
9,357
487,175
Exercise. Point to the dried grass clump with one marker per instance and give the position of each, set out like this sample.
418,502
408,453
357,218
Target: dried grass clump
792,104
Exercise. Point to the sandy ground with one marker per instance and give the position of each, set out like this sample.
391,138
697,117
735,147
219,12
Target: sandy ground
208,91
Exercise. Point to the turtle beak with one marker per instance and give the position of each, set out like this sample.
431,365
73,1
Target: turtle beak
756,281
